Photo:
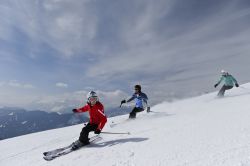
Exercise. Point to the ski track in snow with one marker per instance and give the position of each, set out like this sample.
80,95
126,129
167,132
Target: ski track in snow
200,131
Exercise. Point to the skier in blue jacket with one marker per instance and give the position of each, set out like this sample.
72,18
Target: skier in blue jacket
141,102
229,82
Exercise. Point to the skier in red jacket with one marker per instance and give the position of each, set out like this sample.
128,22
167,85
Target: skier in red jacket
96,122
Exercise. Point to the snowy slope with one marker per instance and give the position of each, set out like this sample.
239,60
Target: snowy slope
201,131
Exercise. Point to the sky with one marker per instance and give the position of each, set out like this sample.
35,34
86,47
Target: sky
52,52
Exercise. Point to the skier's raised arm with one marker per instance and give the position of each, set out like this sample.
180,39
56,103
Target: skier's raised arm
221,79
82,109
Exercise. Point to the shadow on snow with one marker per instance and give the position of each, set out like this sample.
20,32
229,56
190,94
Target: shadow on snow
118,141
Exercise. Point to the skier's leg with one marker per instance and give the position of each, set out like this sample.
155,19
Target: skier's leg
85,132
83,139
222,91
228,87
139,110
134,111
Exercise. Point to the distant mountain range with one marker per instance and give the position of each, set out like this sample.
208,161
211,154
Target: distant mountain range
16,121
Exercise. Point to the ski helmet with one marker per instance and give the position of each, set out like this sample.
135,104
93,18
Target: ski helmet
92,97
223,72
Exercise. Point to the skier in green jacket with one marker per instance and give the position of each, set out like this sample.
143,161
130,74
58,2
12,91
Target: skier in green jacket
229,82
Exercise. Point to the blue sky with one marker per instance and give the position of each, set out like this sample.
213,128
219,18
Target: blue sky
52,52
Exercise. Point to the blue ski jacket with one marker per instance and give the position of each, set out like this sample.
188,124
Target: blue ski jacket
228,80
140,100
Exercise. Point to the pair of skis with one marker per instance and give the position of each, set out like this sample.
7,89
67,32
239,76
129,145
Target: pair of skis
50,155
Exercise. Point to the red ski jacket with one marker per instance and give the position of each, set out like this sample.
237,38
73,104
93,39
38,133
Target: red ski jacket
96,114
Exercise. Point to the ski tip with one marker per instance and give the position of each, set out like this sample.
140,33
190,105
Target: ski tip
129,133
47,158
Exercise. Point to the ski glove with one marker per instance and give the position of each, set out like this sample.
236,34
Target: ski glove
237,85
148,109
215,85
123,101
74,110
97,131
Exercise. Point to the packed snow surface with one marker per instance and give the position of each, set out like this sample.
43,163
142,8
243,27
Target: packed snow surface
200,131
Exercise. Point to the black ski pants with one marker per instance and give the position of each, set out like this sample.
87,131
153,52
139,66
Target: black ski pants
134,111
84,135
223,89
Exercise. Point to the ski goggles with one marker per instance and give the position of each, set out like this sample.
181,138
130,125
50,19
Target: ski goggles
92,99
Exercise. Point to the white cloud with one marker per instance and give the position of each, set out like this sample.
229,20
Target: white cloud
66,26
16,84
2,84
62,102
210,40
28,86
61,85
57,108
58,102
12,98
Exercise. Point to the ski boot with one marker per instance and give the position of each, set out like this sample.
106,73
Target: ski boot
77,144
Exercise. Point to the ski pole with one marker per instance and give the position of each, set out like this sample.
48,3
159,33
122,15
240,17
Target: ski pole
121,104
105,132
